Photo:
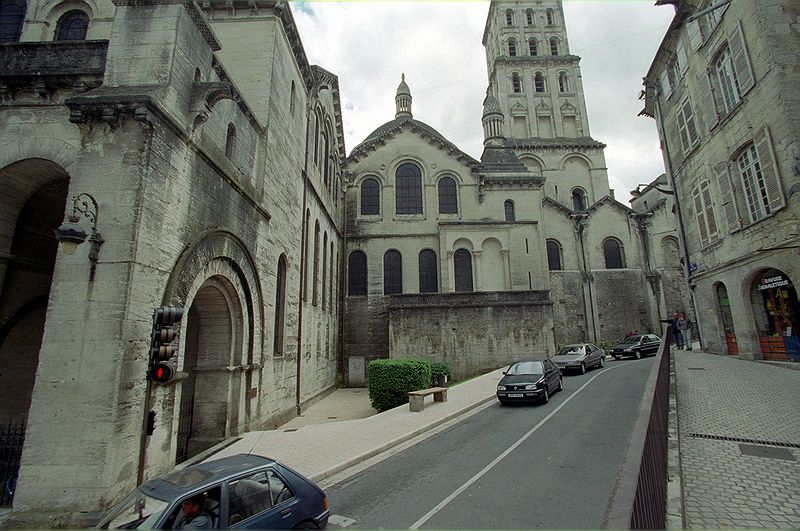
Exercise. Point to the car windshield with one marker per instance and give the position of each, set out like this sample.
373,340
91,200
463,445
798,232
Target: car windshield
632,339
136,511
526,367
570,350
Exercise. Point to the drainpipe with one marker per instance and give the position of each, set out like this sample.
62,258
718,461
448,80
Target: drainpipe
681,230
579,220
302,264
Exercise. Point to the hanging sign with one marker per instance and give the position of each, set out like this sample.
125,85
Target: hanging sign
773,282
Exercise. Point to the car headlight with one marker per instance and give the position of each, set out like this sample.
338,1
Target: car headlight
529,387
627,350
501,387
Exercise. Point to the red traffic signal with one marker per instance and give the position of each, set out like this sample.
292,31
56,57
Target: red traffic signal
163,372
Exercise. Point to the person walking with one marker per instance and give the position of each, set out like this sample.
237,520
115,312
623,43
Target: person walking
685,326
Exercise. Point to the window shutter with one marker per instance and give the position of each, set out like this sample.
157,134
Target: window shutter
665,86
728,197
707,106
713,233
695,34
741,61
683,63
698,212
674,140
769,170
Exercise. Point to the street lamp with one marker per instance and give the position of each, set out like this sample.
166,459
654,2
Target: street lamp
71,233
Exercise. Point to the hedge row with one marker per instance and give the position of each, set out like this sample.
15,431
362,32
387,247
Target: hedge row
390,380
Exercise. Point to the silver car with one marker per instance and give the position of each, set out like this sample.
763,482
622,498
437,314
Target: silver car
580,357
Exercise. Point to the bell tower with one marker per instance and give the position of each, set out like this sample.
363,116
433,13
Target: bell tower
533,75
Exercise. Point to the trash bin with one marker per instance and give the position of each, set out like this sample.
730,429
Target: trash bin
441,379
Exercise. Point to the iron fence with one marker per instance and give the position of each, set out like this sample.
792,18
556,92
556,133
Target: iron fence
12,436
639,497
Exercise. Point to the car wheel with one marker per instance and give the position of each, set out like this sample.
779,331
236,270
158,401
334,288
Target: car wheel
638,354
602,362
306,524
546,396
617,357
583,368
560,384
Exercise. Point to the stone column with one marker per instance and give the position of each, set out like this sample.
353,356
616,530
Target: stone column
506,267
451,281
478,276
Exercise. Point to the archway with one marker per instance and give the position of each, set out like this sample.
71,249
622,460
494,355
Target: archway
209,406
776,310
726,318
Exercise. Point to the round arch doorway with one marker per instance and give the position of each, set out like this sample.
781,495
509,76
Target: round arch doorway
776,311
210,394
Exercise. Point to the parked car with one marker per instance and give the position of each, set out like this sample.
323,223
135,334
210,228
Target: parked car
528,381
637,346
579,357
241,491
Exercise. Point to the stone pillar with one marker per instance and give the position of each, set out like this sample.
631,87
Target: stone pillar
451,281
478,275
506,267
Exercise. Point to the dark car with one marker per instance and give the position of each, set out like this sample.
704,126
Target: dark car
241,491
579,357
637,346
529,380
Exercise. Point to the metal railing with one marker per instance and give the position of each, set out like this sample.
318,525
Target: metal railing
12,436
639,497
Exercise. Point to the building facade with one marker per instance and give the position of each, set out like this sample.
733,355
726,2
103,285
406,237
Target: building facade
721,91
213,177
481,262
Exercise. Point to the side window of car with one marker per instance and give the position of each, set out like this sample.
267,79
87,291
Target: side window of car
209,511
278,488
248,496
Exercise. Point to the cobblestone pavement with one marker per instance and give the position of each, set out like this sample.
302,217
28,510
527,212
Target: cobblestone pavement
739,442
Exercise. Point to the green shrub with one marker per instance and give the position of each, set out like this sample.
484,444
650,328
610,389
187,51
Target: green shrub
437,368
390,380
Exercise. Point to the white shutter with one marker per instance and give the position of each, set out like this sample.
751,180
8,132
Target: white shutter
683,63
711,221
741,61
728,197
665,87
706,106
769,170
695,34
698,212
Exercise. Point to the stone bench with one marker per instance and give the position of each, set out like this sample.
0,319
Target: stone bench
416,399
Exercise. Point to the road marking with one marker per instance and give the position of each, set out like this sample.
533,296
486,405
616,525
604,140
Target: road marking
487,468
340,521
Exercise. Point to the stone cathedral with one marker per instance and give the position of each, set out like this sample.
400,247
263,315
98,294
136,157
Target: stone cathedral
200,155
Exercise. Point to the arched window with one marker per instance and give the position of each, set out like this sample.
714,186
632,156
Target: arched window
462,268
533,48
539,84
578,200
72,26
326,162
315,277
324,268
550,17
280,305
370,197
448,200
357,273
553,46
612,250
333,279
230,142
292,98
563,86
408,181
509,17
512,47
529,17
316,138
12,16
509,207
516,82
392,273
553,256
308,245
428,279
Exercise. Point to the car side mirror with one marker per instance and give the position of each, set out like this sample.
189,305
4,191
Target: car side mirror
505,372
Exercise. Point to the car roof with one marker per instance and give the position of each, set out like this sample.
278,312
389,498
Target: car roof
202,475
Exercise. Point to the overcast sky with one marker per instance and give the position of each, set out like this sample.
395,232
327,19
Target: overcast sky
438,47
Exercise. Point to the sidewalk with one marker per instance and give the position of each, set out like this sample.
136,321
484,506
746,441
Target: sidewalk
739,432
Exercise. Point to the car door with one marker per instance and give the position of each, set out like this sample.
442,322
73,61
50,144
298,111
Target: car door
552,374
593,356
261,500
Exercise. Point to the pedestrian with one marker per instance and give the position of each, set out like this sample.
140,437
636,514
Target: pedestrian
685,326
676,333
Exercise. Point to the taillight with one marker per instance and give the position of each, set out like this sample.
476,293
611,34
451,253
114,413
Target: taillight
325,502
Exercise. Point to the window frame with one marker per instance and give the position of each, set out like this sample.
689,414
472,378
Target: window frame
408,190
687,128
377,197
610,261
462,260
509,211
450,200
754,186
357,279
428,270
392,272
63,19
554,255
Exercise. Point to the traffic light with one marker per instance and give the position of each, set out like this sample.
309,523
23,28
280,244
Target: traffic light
163,344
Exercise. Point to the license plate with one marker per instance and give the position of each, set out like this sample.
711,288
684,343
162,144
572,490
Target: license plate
514,395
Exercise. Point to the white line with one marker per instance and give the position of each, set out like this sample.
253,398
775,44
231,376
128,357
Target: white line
487,468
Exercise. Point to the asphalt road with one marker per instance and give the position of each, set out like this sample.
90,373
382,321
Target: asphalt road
533,466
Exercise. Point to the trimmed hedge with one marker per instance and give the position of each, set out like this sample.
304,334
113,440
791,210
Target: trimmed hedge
390,380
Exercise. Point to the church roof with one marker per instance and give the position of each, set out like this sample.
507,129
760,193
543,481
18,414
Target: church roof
383,133
501,164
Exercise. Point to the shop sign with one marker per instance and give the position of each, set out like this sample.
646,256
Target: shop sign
773,282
